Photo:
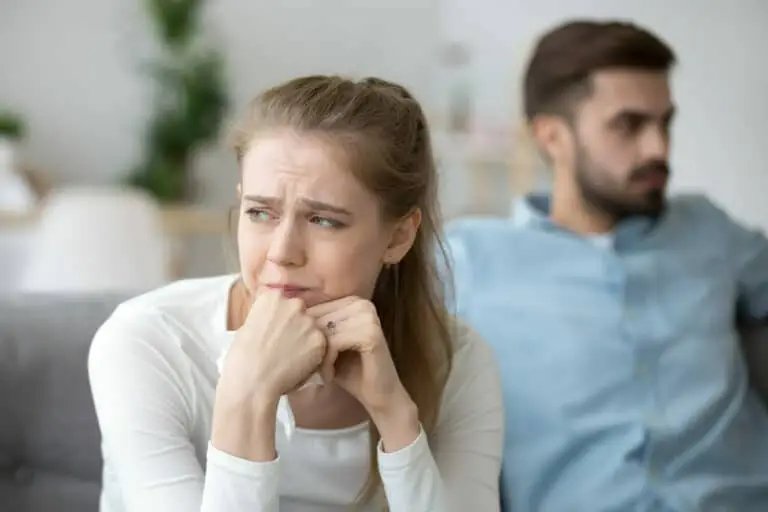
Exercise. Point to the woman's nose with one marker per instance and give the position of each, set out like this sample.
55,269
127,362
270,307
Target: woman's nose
286,247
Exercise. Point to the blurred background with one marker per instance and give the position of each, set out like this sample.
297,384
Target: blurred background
113,113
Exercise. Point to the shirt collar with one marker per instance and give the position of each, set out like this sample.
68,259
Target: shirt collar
533,210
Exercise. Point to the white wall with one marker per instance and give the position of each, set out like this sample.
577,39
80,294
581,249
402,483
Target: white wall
73,69
721,85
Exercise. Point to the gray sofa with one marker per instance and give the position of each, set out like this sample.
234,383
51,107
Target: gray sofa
50,458
49,441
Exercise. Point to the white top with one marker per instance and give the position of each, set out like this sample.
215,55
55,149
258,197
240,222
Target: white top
153,374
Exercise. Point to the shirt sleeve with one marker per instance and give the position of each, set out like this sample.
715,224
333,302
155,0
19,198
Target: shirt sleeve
461,470
144,400
746,250
750,254
456,270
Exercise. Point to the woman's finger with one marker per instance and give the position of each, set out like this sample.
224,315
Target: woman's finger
339,342
331,325
357,311
329,307
335,318
350,337
328,367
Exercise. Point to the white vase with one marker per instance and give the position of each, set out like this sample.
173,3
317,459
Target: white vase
7,155
16,195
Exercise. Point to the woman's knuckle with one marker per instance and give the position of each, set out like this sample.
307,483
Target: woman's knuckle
294,305
316,338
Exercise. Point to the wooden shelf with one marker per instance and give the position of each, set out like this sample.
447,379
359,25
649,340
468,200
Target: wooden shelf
179,220
185,220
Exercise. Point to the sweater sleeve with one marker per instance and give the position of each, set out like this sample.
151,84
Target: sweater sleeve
458,470
144,399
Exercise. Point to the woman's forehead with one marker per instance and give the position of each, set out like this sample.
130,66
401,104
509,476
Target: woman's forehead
288,164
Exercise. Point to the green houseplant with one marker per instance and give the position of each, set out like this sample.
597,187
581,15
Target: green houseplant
12,132
16,193
12,126
190,104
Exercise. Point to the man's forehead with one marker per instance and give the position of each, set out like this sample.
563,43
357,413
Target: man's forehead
631,89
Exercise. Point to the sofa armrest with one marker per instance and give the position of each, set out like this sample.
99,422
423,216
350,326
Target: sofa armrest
755,341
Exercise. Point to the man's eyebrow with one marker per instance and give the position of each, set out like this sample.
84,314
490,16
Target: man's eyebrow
642,115
276,202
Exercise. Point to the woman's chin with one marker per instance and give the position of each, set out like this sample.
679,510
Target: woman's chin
312,299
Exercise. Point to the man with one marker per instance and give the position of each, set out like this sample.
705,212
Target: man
612,308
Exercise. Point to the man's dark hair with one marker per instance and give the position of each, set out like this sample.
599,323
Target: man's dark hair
565,58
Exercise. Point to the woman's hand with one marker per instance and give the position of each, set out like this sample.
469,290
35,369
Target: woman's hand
277,349
358,360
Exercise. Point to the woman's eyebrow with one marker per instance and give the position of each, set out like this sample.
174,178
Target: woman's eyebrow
276,202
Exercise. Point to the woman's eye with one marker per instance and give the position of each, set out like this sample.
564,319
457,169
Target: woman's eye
260,215
325,222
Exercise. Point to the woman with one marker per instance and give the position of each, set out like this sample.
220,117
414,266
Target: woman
336,231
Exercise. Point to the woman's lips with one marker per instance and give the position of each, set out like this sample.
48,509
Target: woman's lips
289,290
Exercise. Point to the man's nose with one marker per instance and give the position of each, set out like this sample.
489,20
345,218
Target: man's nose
655,144
287,246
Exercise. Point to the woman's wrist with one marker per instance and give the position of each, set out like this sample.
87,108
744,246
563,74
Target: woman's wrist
246,431
398,423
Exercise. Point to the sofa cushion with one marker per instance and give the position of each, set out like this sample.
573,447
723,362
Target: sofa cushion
49,439
50,456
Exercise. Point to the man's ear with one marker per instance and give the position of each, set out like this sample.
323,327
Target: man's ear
402,238
551,135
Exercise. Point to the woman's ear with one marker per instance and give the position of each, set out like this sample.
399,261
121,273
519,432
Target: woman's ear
402,237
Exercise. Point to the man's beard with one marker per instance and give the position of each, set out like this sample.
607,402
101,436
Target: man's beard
609,199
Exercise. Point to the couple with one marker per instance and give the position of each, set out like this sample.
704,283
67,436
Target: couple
610,377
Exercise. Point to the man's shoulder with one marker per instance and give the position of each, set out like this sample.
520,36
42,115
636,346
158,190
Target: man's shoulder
479,226
696,207
693,218
486,239
477,232
483,252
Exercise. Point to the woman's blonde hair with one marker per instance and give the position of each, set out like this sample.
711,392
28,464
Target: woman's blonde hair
383,132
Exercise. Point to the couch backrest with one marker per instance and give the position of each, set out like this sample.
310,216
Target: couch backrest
50,455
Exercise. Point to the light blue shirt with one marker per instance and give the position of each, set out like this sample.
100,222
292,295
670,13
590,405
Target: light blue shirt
624,381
